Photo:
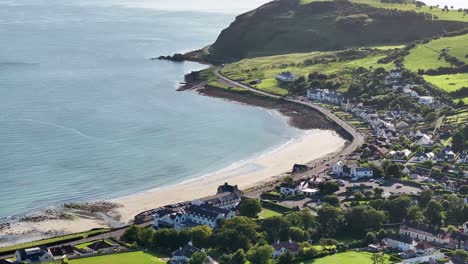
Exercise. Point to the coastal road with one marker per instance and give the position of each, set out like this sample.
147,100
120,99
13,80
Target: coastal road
317,166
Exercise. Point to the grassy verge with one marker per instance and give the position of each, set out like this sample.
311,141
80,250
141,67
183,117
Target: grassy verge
267,213
139,257
350,257
53,240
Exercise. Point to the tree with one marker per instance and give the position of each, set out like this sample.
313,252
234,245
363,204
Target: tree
276,228
425,197
260,254
358,196
330,219
286,258
394,171
458,141
328,243
414,214
371,238
434,213
297,234
288,180
398,208
332,200
378,192
378,258
328,187
238,257
201,235
236,233
131,234
464,189
250,207
198,258
361,218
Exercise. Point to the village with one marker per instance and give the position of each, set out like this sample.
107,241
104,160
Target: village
405,177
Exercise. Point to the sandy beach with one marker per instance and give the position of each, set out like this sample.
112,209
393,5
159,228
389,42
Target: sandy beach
314,144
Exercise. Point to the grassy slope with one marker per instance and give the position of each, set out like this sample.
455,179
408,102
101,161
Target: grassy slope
449,82
124,258
266,68
452,15
283,27
425,56
350,257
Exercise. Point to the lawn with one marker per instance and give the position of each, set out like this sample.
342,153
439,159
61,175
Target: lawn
426,56
139,257
53,240
449,82
267,213
350,257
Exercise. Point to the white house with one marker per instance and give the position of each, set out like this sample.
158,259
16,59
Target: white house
400,242
424,140
410,93
361,172
285,77
422,157
426,100
395,74
36,254
280,248
288,189
337,168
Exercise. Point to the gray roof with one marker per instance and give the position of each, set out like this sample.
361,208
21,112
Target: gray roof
221,198
402,238
206,211
363,169
291,246
186,251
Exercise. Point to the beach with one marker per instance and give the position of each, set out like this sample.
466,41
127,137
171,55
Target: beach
314,144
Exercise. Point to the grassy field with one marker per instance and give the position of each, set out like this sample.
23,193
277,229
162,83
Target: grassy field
426,56
449,82
350,257
139,257
461,117
266,68
267,213
52,240
452,15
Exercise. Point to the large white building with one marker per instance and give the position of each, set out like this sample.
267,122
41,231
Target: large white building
33,255
400,242
426,100
361,172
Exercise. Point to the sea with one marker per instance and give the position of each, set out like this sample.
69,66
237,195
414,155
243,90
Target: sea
86,115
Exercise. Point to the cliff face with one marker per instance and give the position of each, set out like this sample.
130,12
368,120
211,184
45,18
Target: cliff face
286,26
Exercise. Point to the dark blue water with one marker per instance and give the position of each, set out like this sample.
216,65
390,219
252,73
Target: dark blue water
84,113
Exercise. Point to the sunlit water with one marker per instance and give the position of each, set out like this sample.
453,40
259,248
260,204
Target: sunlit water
85,115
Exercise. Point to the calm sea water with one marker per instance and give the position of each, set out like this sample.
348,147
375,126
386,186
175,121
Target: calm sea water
85,115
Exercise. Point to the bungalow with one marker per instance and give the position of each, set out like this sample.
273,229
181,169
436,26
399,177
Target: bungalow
400,242
59,252
285,77
183,255
402,126
280,248
36,254
362,172
426,100
288,189
102,246
409,92
425,232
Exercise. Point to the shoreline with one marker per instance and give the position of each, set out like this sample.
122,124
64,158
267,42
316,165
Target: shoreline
318,141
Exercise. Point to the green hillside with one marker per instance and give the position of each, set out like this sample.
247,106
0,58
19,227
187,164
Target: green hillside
339,64
289,26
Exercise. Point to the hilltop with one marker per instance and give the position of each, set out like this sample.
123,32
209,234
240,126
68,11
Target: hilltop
287,26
